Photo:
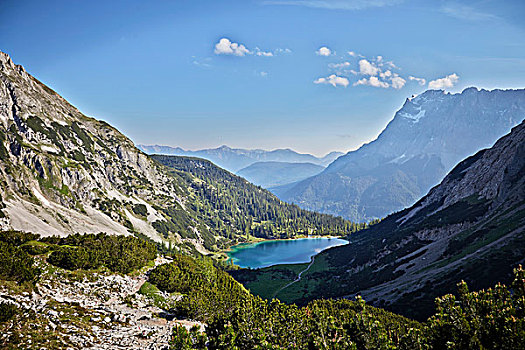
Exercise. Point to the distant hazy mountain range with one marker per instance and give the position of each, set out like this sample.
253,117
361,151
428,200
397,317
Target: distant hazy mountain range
235,159
271,174
428,136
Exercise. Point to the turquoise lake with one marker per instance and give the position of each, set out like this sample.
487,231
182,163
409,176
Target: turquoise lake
268,253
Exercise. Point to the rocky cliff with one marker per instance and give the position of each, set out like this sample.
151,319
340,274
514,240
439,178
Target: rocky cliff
63,172
426,138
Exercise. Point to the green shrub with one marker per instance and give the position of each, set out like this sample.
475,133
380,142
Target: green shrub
17,237
118,253
488,319
182,339
16,264
7,311
71,258
35,248
140,209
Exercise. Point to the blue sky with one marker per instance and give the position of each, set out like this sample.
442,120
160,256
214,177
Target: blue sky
311,75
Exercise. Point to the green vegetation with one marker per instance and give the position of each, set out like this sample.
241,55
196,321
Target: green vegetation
238,320
7,311
267,281
140,209
152,292
15,264
4,155
489,319
228,206
202,285
117,253
122,254
82,135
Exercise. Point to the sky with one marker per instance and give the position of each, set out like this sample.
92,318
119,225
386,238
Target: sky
312,75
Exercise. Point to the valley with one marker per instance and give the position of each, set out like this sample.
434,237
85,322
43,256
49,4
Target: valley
105,246
470,227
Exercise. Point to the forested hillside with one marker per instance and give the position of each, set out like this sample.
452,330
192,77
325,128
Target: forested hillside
231,206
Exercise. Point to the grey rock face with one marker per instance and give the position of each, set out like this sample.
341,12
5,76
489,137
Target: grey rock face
63,172
426,138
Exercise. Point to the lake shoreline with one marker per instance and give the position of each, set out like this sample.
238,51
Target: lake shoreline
262,240
267,253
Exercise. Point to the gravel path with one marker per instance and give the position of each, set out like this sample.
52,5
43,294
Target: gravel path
297,279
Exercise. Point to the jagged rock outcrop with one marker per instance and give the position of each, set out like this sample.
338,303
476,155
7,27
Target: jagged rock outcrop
62,172
428,136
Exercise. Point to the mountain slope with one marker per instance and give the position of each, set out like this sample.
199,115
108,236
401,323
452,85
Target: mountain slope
470,227
426,138
233,206
62,172
234,159
271,174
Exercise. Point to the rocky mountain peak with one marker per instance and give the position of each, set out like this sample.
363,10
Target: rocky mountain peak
426,138
64,172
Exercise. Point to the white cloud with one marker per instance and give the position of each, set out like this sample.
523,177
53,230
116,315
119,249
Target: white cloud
335,4
375,71
443,83
373,81
338,66
324,51
398,82
263,53
333,80
226,47
367,68
284,51
468,13
420,81
204,63
386,74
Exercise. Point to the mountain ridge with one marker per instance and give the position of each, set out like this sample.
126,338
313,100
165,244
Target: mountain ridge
271,174
425,139
235,159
